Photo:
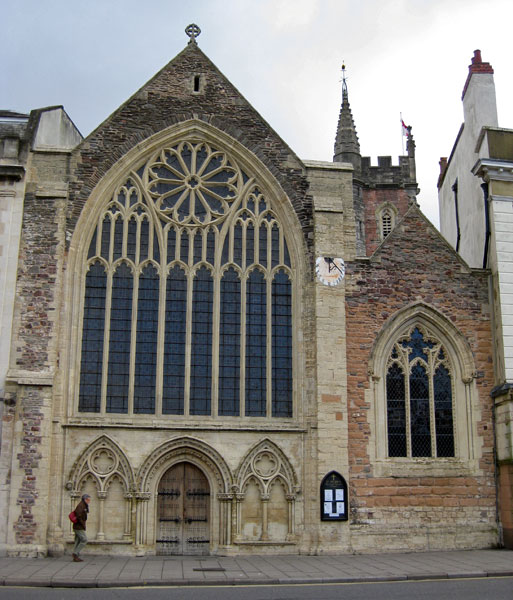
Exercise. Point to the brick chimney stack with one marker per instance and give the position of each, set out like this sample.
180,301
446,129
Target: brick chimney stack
477,66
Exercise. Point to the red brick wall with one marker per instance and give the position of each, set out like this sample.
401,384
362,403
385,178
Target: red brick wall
416,265
372,199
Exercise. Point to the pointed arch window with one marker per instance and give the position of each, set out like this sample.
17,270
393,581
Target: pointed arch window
386,216
419,398
188,294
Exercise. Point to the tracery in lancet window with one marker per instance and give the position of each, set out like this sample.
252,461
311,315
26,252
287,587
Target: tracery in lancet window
188,293
419,391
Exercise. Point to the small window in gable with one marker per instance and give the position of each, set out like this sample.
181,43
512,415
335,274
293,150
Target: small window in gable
197,83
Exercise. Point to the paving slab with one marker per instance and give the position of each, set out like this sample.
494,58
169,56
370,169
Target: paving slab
105,571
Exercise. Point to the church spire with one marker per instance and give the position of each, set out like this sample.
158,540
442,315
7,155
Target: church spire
347,147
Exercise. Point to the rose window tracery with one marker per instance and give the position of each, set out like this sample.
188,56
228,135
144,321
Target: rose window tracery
193,184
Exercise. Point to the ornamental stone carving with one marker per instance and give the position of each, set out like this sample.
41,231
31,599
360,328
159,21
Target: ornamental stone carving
184,449
264,464
193,184
102,461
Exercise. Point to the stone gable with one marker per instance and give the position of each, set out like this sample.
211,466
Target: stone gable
169,98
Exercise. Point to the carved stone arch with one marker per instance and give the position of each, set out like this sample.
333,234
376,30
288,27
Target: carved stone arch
280,480
202,265
386,206
99,260
184,449
87,476
147,261
252,478
103,458
466,412
283,268
176,263
253,268
266,461
190,130
126,261
437,324
254,172
110,480
233,266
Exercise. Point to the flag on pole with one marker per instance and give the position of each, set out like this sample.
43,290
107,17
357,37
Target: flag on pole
406,131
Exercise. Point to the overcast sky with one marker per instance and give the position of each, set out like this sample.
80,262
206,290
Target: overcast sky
284,56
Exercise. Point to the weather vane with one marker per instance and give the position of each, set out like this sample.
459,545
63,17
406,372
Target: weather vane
344,82
192,31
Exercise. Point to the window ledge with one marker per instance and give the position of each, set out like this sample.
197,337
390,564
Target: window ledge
424,467
271,424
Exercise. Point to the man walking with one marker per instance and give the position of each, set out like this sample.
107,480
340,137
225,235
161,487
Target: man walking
80,526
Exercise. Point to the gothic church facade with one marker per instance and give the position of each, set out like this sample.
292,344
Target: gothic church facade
231,349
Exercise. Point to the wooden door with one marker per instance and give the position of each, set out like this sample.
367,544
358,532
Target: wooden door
183,511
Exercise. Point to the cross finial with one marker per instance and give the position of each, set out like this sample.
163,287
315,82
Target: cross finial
192,31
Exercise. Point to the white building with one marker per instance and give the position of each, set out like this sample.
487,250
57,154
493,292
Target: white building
476,217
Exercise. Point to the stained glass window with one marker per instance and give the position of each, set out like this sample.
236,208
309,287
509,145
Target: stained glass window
281,345
146,341
396,411
419,398
188,295
174,343
443,412
118,370
256,345
91,367
229,344
201,343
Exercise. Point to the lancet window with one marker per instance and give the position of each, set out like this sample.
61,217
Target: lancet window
387,218
419,392
188,294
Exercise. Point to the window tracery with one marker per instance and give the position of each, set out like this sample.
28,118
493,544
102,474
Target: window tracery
188,297
419,393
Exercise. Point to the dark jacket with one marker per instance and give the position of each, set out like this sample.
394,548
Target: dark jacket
81,511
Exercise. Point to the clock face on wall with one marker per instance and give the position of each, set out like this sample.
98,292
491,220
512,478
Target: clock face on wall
330,271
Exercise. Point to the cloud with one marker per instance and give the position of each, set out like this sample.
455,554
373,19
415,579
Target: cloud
286,15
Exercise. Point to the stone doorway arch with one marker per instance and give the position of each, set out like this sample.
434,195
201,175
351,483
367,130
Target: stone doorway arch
217,481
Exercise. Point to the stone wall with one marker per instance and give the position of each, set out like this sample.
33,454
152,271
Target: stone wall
169,98
414,265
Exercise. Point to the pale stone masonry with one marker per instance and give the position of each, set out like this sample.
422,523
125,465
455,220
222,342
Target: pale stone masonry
206,328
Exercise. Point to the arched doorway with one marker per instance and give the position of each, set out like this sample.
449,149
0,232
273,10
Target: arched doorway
183,511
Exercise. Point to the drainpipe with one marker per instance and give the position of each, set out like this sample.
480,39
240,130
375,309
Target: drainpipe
484,187
458,231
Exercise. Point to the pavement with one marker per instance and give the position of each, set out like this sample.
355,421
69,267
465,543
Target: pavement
115,571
